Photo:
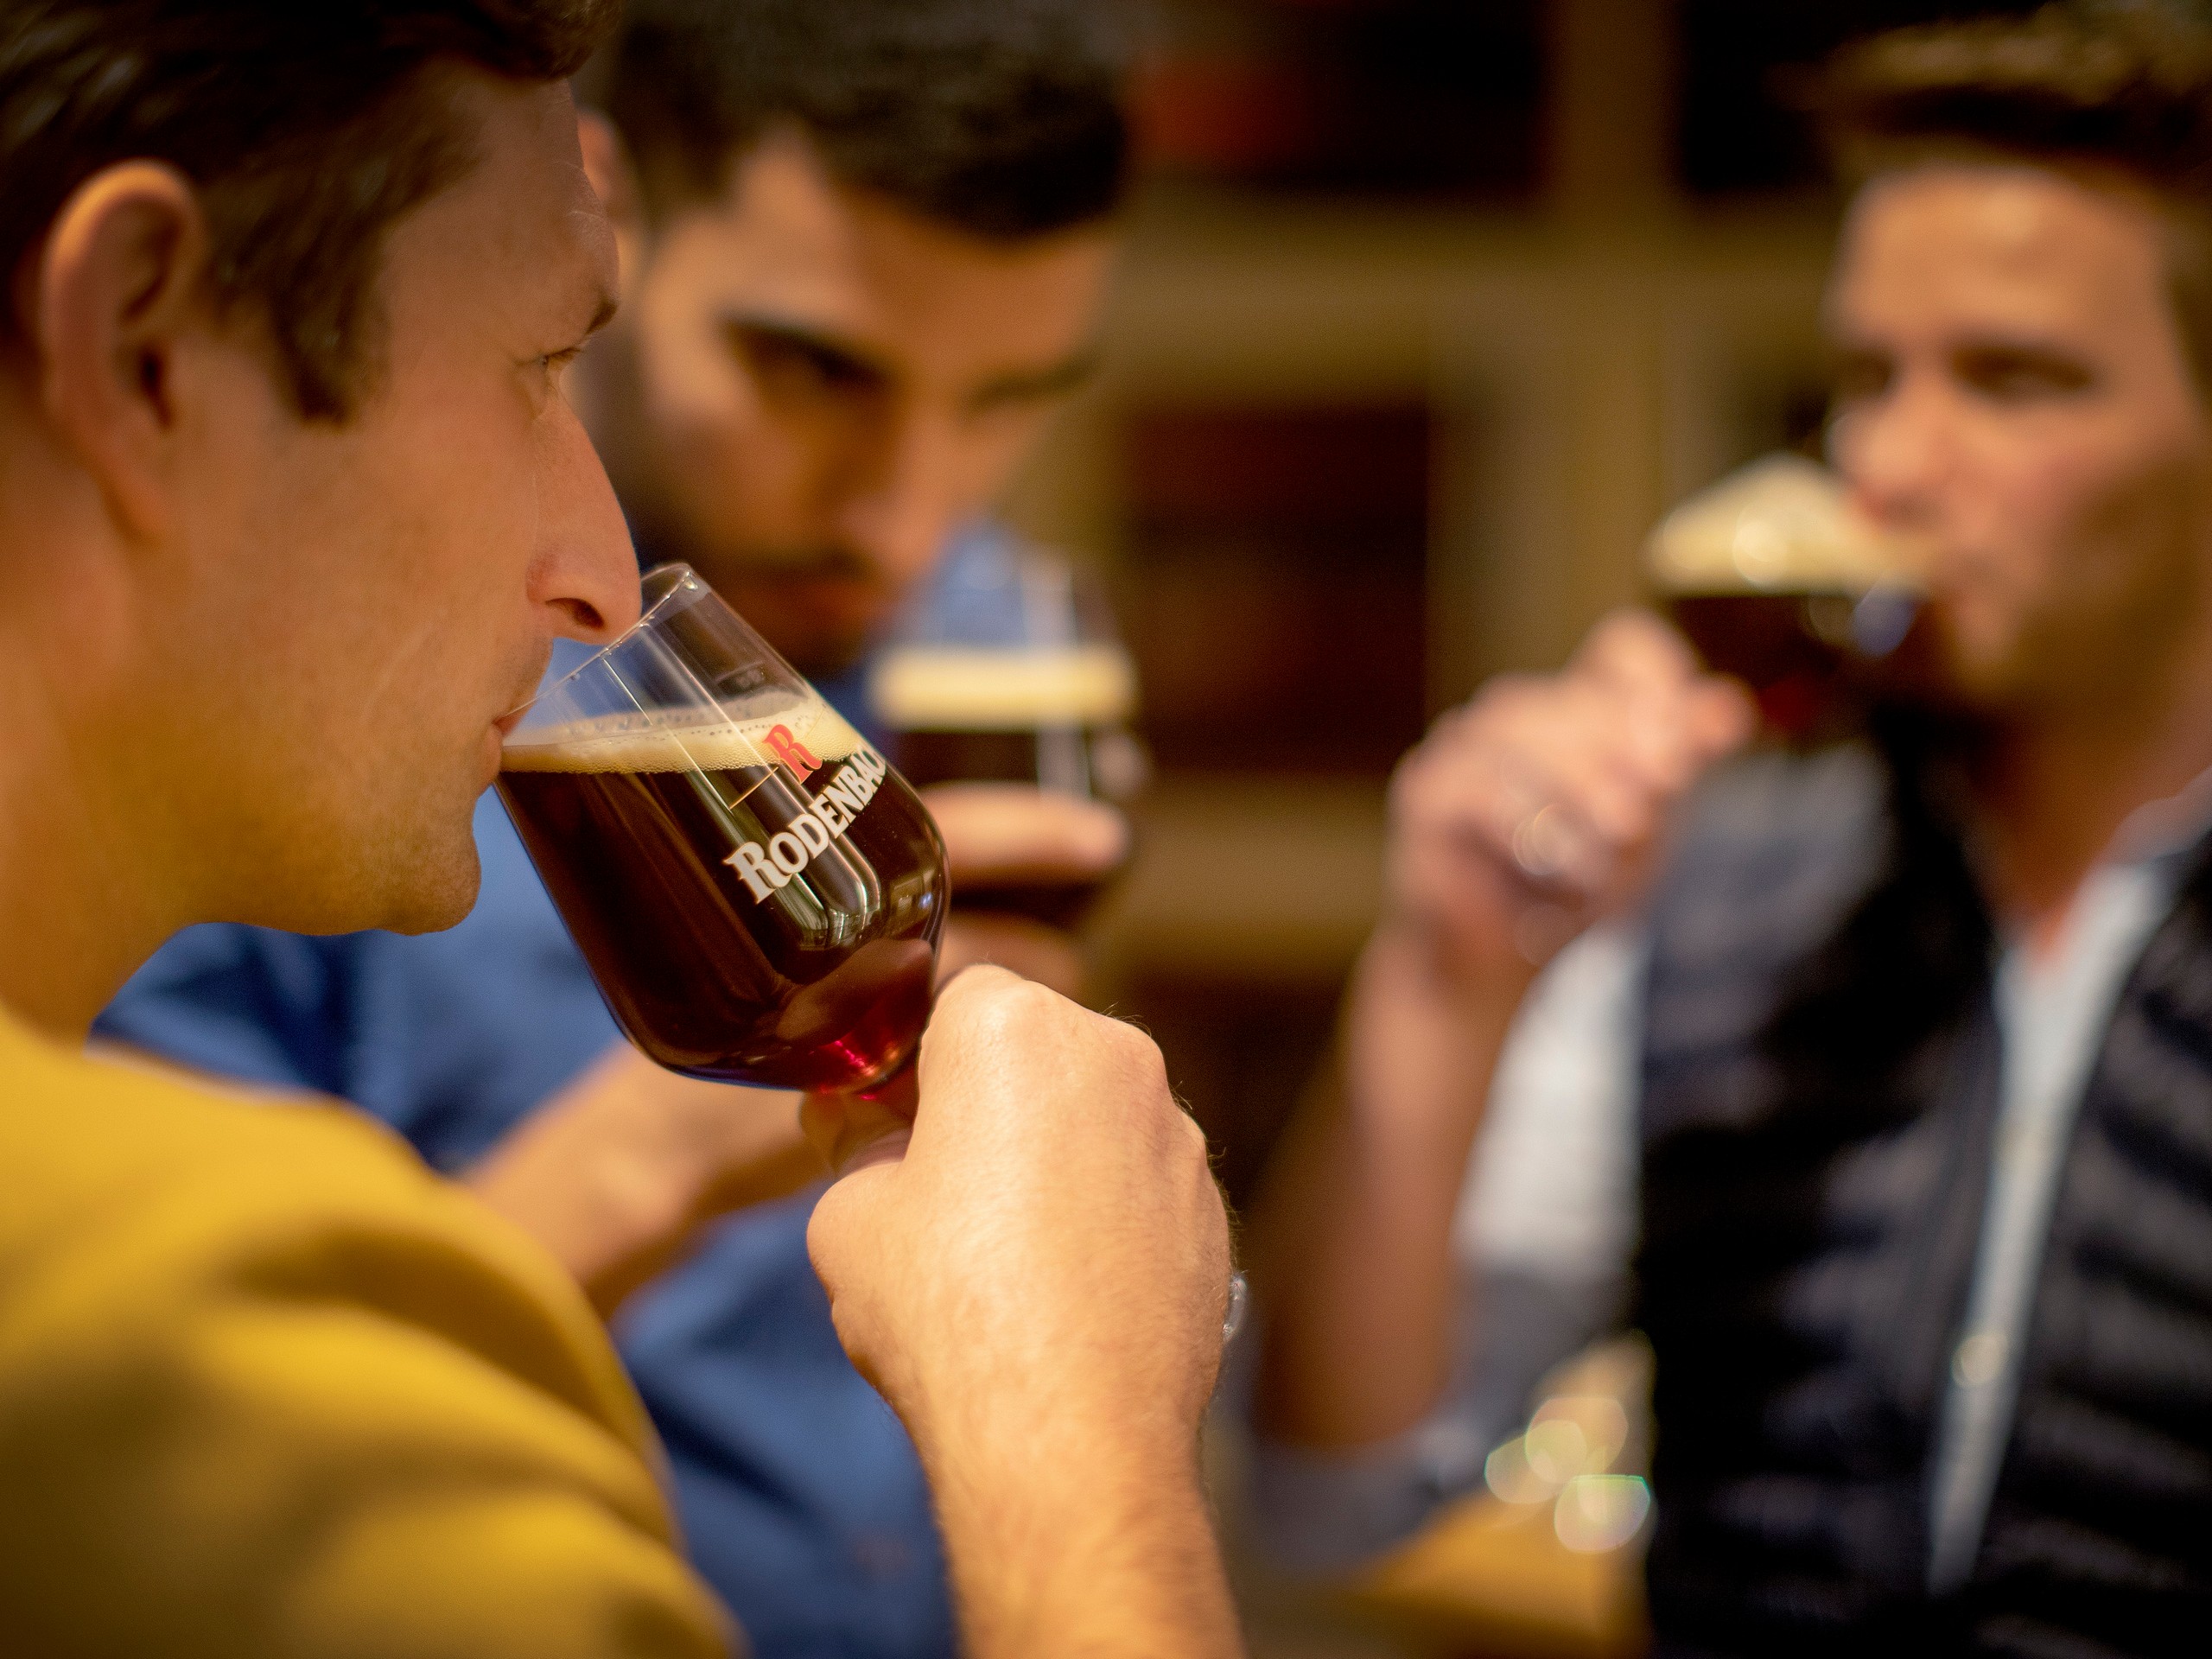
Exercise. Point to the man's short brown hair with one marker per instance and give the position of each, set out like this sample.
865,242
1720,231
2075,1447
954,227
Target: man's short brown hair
1005,119
2119,89
309,127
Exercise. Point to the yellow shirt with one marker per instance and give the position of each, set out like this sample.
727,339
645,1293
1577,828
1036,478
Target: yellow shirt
267,1387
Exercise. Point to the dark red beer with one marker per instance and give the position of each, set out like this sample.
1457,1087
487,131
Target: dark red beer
1781,581
1025,756
759,903
1792,649
1811,658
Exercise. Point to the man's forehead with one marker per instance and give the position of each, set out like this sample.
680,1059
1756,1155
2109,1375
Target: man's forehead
527,209
2017,241
788,244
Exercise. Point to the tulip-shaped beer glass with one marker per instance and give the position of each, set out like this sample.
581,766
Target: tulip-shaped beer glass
757,893
1778,580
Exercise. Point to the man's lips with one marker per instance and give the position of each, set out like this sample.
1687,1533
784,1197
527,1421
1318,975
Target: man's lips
503,728
524,694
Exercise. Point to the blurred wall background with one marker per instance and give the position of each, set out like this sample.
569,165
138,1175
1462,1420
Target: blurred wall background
1432,308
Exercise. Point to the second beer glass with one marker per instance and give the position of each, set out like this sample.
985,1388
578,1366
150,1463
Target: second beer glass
758,894
1013,674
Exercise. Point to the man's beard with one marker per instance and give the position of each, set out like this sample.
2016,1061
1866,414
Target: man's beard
769,590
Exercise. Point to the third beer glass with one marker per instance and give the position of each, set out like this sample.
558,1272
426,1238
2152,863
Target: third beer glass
759,896
1778,582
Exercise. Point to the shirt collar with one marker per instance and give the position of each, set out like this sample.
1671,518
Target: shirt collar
2166,829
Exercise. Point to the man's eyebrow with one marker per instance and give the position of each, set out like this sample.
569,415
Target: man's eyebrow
602,314
1036,386
2006,342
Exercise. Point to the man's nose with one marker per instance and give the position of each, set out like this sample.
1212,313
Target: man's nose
584,568
1895,453
904,509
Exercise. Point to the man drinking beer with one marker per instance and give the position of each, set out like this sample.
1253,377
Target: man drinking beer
292,509
1887,1108
864,243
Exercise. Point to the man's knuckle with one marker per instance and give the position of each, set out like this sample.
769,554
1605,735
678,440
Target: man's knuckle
1506,701
1002,1005
1136,1045
967,994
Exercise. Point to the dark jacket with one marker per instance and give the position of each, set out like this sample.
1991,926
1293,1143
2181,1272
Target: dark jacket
1821,1080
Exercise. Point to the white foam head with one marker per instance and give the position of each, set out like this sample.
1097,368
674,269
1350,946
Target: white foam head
679,741
1780,525
947,689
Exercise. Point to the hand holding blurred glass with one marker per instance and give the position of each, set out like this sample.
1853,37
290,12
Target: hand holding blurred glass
1013,676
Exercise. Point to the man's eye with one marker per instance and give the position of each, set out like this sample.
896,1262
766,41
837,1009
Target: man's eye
801,366
2016,377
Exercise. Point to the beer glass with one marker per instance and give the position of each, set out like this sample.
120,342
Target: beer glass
757,893
1776,581
1012,673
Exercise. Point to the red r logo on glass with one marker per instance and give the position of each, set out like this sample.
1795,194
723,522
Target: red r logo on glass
792,752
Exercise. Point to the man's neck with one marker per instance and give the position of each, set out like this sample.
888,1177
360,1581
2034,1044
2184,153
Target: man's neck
81,890
2055,789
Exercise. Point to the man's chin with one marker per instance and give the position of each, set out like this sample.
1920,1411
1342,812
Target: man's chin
814,644
438,894
1946,669
1992,680
407,888
821,625
827,658
416,907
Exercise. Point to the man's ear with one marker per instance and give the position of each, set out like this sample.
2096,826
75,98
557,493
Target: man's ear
122,278
608,165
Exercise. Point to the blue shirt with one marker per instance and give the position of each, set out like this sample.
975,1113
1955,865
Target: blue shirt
802,1499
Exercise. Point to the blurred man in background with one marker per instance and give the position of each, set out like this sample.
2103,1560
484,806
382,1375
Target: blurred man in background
293,508
1877,1092
864,246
